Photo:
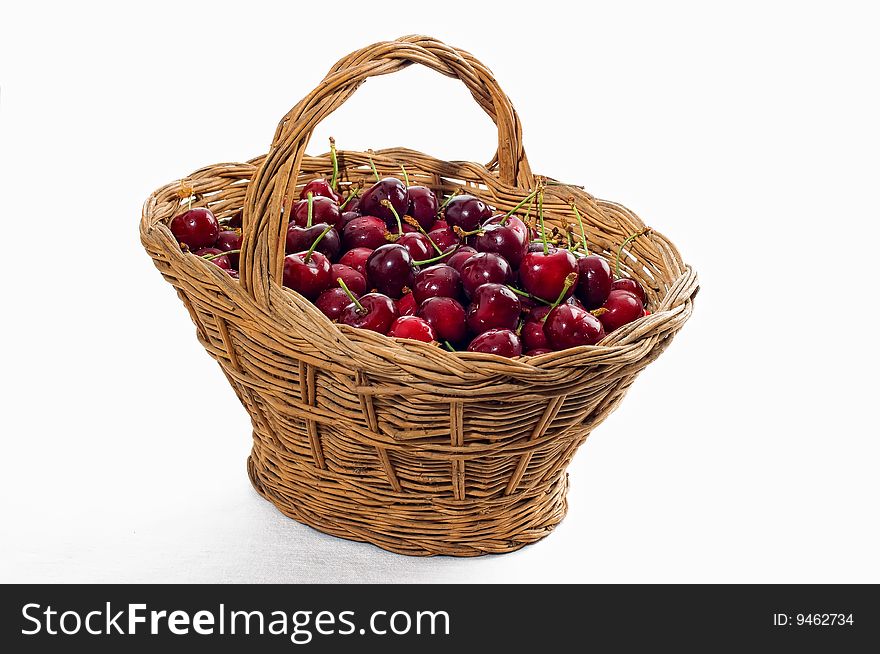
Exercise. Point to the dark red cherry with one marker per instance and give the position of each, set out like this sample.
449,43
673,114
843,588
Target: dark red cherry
364,232
537,351
510,240
353,206
355,280
467,212
412,327
233,273
594,281
502,342
447,318
631,285
544,275
332,301
407,305
461,255
197,228
357,258
301,238
308,278
324,210
536,246
439,224
209,254
437,281
230,240
483,268
538,312
407,229
391,189
569,326
493,306
422,205
533,336
390,270
444,238
233,221
419,246
622,307
372,311
320,188
347,217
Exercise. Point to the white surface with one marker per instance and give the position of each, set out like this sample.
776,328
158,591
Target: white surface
749,136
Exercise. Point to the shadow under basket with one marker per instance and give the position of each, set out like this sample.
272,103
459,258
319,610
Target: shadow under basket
400,443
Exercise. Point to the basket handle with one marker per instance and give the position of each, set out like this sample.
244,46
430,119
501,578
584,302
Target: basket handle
262,255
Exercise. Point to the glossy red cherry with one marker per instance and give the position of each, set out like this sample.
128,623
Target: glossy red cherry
357,258
352,205
467,212
197,228
391,189
412,327
483,268
324,210
439,224
437,281
631,285
502,342
407,305
364,232
622,307
419,246
215,256
446,316
355,280
594,281
461,255
301,238
347,217
538,312
390,270
533,336
372,311
510,239
544,275
493,306
422,205
332,301
233,221
537,351
320,188
444,238
230,240
569,326
308,278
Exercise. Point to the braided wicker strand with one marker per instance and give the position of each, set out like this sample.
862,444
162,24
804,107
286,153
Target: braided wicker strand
399,443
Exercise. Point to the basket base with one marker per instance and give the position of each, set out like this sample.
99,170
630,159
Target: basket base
415,525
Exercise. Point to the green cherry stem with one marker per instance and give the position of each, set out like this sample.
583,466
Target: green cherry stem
519,206
315,244
448,200
360,307
438,258
311,199
373,166
387,204
570,280
528,295
211,257
628,240
412,222
540,192
405,176
581,223
449,346
335,179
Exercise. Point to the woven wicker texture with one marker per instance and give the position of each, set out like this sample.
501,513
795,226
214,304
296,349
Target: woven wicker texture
400,443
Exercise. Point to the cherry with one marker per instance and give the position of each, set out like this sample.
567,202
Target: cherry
422,205
419,246
372,311
347,217
233,221
502,342
533,336
390,269
364,232
233,273
483,268
538,312
447,318
197,228
307,274
569,326
493,306
507,236
444,238
332,301
320,188
536,246
543,273
215,256
301,238
621,307
467,212
391,189
461,255
440,224
407,305
352,204
230,240
537,351
357,258
439,280
573,301
632,286
355,280
412,327
594,281
324,210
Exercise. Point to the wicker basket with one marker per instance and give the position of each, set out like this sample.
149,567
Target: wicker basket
399,443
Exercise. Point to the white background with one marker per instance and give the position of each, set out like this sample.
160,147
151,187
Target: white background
748,135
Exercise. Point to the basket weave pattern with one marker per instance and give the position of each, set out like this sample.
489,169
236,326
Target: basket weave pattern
400,443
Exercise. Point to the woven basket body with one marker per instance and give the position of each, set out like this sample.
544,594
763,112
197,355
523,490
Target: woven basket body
400,443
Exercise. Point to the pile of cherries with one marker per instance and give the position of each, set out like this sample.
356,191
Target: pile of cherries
395,261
